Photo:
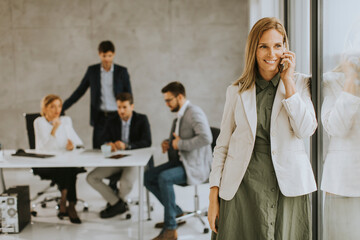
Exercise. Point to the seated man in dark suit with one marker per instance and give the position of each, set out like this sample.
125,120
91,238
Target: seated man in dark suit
130,130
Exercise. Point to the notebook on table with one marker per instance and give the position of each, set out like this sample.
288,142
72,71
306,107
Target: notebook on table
22,153
117,156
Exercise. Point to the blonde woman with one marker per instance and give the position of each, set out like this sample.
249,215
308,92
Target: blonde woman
261,175
55,132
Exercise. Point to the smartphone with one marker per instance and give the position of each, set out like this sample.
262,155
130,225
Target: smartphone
282,66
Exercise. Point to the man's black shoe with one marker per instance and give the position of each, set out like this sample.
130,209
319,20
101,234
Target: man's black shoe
111,211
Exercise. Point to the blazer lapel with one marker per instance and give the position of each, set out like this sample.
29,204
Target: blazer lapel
120,128
115,76
181,119
132,126
277,105
98,84
249,102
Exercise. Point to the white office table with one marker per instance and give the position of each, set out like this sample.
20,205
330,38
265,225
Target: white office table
80,158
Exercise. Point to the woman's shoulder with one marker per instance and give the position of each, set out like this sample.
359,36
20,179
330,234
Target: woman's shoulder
40,120
333,79
232,89
65,118
301,77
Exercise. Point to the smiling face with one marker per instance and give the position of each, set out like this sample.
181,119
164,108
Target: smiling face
52,110
268,53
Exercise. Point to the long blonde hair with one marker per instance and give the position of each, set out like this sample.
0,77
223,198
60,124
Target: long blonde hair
247,78
48,99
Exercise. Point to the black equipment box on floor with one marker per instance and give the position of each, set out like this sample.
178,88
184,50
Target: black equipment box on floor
14,209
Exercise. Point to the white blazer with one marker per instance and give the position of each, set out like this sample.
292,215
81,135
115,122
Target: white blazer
45,141
340,117
292,120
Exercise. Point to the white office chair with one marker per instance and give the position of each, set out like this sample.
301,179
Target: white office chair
197,212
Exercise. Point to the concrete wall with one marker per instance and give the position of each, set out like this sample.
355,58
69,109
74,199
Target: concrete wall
46,46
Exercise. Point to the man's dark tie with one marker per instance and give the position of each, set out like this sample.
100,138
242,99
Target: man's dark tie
173,126
172,153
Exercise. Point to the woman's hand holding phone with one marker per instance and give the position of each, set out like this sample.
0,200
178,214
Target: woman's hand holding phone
287,65
288,60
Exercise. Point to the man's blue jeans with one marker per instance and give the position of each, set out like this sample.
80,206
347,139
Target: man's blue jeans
160,181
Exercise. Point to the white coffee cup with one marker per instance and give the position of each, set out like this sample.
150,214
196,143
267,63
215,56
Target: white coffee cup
106,150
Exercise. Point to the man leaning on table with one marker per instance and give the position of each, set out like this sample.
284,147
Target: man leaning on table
129,130
105,80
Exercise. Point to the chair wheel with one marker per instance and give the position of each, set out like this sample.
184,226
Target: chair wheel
128,216
34,213
43,205
206,230
85,209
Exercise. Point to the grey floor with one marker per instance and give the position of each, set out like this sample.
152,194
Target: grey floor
47,226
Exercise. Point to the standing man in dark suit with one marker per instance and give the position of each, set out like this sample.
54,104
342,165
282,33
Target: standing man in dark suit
106,80
129,130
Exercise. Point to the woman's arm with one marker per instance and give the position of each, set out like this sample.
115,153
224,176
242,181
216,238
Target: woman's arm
70,132
222,143
220,152
214,208
55,123
298,105
300,109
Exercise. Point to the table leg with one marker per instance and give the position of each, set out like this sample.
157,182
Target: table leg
148,205
141,202
2,181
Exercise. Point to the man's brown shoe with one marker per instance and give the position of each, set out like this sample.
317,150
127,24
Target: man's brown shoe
167,234
161,224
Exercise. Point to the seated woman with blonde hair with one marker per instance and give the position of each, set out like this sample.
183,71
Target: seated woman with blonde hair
55,132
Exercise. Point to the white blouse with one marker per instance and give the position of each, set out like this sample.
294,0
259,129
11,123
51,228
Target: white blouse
45,141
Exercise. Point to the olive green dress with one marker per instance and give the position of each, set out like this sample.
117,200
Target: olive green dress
258,210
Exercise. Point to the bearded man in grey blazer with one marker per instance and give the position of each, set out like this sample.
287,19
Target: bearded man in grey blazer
189,153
